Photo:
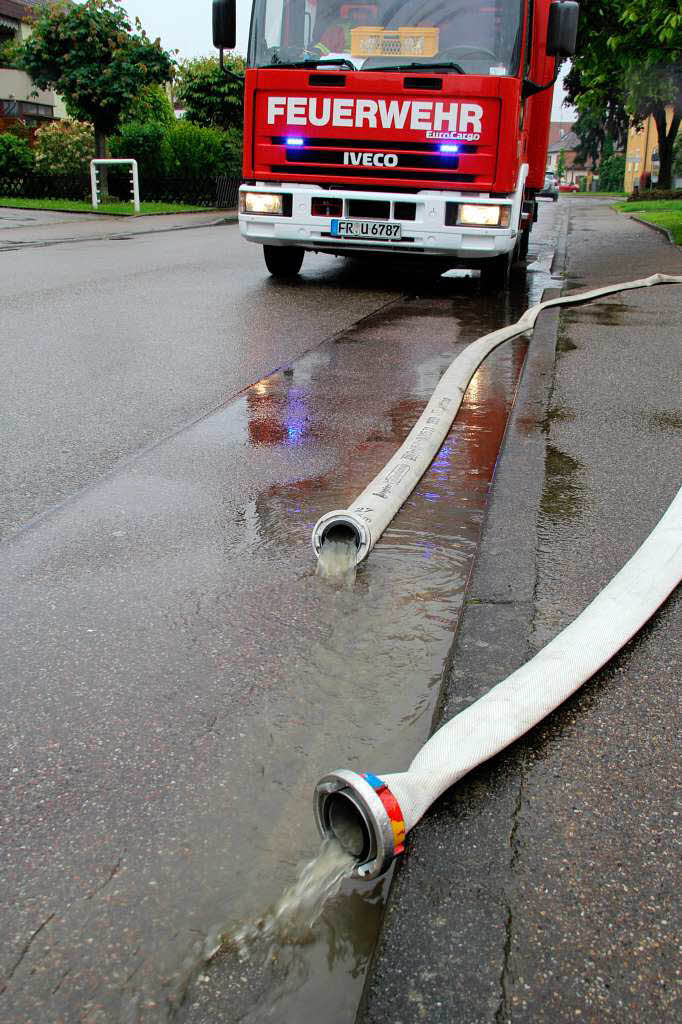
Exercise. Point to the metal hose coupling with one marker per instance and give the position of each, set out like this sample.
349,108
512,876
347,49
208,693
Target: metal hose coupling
341,524
360,811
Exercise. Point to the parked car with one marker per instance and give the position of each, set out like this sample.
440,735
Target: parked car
550,189
573,187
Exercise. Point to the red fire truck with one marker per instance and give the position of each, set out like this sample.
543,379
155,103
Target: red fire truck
413,127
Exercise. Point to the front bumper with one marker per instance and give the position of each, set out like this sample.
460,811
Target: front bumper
427,234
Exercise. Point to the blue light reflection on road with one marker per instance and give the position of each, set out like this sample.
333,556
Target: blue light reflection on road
295,418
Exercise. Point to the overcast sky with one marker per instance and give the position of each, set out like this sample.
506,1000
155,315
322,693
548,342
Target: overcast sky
185,25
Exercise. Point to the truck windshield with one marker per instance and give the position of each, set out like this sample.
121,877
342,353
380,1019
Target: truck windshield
480,38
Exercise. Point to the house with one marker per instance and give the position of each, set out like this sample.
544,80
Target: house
641,156
557,129
574,170
19,99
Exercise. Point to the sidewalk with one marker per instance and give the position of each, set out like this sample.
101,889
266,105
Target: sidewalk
542,888
21,229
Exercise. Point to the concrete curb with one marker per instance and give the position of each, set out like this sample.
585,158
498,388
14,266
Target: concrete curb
656,227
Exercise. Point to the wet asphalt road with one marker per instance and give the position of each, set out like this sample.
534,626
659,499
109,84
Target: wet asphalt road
111,346
175,677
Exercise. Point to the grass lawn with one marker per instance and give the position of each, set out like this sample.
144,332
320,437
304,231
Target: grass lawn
665,212
74,206
593,195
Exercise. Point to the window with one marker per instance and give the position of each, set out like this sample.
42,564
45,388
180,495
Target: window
26,108
479,39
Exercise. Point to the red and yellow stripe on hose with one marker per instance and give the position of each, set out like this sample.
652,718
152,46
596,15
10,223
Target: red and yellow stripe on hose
392,808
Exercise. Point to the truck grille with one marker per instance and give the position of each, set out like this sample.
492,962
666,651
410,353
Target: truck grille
410,161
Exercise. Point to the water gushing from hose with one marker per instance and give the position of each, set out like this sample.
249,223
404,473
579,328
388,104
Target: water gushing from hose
337,560
300,906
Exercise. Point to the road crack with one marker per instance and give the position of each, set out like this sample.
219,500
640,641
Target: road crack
112,874
34,935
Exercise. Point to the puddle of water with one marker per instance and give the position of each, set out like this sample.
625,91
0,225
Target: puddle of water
562,496
303,960
357,687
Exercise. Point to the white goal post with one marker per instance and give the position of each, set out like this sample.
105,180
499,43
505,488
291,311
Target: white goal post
134,181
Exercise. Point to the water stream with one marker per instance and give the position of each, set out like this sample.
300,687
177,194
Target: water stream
300,906
337,562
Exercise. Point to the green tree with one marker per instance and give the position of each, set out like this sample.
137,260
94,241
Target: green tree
89,54
561,165
150,106
677,157
194,151
8,53
143,142
16,156
64,147
208,96
629,59
612,174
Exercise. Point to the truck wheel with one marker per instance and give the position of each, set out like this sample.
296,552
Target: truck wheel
495,272
283,260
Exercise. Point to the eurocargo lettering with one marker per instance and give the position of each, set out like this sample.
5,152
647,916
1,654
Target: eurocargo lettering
392,131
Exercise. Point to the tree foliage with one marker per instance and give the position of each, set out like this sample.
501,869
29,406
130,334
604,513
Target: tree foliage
677,157
612,174
629,66
64,147
89,54
142,142
181,150
196,151
16,156
151,105
208,96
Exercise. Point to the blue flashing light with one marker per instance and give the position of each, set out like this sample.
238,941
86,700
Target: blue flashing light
448,148
293,140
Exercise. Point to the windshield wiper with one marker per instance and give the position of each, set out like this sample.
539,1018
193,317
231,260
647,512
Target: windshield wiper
313,62
418,65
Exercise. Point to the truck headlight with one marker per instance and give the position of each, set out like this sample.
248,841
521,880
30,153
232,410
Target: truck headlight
488,216
270,203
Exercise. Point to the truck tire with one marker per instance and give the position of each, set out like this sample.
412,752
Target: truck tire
495,272
283,261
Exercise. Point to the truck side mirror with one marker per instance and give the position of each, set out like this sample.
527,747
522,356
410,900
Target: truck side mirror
562,28
224,24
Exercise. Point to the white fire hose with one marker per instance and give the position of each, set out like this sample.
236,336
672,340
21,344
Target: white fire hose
369,515
370,814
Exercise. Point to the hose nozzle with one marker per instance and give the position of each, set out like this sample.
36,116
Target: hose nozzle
342,524
361,812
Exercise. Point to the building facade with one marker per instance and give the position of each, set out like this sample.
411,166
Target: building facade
641,157
19,98
567,142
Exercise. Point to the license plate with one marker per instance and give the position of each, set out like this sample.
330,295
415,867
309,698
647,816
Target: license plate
379,229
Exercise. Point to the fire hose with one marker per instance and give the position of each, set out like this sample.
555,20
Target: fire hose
371,814
370,514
